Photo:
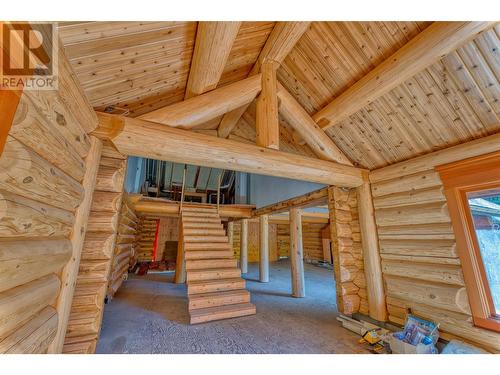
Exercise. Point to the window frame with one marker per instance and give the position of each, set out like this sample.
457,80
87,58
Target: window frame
459,178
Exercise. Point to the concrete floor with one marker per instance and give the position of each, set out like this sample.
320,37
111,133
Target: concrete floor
149,315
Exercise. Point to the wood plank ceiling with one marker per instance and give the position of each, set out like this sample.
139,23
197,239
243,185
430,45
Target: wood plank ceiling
143,66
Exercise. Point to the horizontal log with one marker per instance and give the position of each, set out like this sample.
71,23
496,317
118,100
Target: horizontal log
411,215
202,108
19,304
102,221
162,207
436,248
136,137
88,297
410,197
42,137
126,239
110,151
424,163
33,337
24,261
25,173
447,274
106,201
314,198
110,179
93,270
116,163
83,323
420,259
422,180
21,218
431,229
442,296
98,245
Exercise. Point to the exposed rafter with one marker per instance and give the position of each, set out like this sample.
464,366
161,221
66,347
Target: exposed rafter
200,109
430,45
136,137
304,125
214,41
279,44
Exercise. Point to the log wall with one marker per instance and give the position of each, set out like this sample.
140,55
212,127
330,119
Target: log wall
42,167
97,256
347,251
420,264
125,247
253,241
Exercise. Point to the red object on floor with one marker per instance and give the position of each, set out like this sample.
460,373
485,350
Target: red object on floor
155,243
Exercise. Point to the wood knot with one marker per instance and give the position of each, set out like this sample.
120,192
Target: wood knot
28,179
60,119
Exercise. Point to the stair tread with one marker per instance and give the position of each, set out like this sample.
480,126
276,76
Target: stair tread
249,307
216,281
225,293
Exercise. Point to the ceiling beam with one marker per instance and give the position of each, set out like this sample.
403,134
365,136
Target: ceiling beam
432,44
214,41
205,107
278,45
298,118
266,119
136,137
311,199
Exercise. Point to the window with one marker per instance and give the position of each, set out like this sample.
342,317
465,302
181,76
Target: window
472,189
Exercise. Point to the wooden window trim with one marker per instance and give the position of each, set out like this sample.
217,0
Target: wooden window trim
460,178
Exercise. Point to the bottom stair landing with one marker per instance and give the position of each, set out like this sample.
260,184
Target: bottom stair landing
215,288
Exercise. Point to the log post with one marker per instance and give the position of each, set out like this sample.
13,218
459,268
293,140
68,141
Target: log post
297,253
264,248
244,246
180,263
70,271
371,256
267,122
230,232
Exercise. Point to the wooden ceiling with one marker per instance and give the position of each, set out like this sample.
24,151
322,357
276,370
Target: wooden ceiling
143,66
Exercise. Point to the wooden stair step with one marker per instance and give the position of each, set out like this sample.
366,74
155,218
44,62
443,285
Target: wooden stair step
222,312
207,286
231,297
200,214
207,246
198,219
209,239
213,274
198,209
203,232
208,254
192,225
210,263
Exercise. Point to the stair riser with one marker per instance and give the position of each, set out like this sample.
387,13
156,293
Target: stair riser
205,239
206,215
222,287
191,255
210,263
207,246
200,220
202,226
212,275
218,301
203,232
223,315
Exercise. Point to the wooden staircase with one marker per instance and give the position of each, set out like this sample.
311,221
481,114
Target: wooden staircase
215,287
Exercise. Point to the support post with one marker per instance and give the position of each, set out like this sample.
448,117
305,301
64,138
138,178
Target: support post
180,263
264,249
371,255
244,246
70,271
267,122
230,232
297,253
183,187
